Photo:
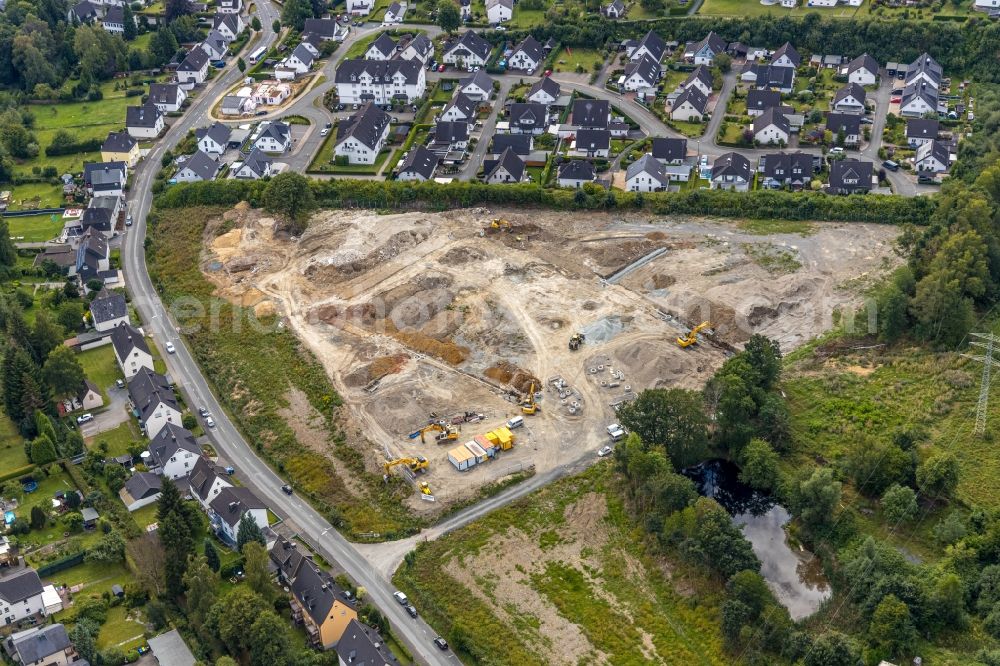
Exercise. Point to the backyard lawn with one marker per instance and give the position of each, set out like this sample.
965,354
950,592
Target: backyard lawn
567,59
48,195
120,438
12,453
121,630
101,367
145,516
96,577
753,8
35,228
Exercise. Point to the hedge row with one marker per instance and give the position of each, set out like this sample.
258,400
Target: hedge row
67,562
17,473
354,193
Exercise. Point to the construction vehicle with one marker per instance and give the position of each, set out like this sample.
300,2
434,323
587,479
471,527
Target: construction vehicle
528,404
418,464
692,337
446,432
425,488
575,341
499,225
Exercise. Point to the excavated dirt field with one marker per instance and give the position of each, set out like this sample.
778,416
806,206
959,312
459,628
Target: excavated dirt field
427,316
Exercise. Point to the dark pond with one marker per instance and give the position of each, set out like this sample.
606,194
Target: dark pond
795,576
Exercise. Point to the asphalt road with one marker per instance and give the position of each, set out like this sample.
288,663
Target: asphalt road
184,371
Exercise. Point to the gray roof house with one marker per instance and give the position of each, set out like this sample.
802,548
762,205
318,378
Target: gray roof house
109,306
591,113
47,644
214,138
255,166
118,142
575,173
361,646
169,650
419,165
508,168
669,150
850,177
198,167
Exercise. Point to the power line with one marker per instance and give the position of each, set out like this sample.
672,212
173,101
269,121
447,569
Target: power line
988,344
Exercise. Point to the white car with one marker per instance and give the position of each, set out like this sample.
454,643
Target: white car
605,451
401,598
170,348
209,422
324,131
84,418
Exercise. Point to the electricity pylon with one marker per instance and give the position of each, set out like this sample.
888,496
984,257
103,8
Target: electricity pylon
988,343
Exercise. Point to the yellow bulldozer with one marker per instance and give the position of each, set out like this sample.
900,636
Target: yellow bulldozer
692,337
528,404
425,488
418,464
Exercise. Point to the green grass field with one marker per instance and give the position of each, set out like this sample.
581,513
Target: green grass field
121,630
119,438
568,59
754,8
569,553
101,367
96,577
49,196
34,228
12,454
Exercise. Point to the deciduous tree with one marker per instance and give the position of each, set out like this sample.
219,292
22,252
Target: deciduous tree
62,372
671,418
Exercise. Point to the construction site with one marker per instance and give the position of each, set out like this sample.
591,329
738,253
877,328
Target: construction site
474,344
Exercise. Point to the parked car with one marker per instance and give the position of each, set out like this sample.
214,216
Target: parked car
328,125
924,179
128,220
401,598
170,348
287,489
203,411
324,131
411,610
341,107
120,383
441,68
84,418
441,643
210,422
605,451
261,113
890,165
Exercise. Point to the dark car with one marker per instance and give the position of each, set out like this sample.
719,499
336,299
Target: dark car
441,643
890,165
329,125
287,489
411,610
261,113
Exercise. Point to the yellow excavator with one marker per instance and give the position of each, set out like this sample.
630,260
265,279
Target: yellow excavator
446,433
528,404
499,225
418,464
692,337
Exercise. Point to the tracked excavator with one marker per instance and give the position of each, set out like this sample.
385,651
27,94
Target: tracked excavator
692,337
499,225
446,432
418,464
528,404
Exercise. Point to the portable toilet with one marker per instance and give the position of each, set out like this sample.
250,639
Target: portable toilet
489,447
462,458
476,451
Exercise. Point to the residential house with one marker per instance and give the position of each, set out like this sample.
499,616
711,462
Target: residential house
933,156
846,126
924,69
173,452
669,150
142,488
592,143
206,481
362,646
85,12
508,168
120,147
394,13
419,165
92,256
478,86
759,101
731,171
450,140
99,218
229,507
544,91
274,137
921,130
850,99
89,396
641,76
460,108
360,7
213,139
521,144
114,21
21,596
144,122
229,25
771,127
419,48
786,56
651,45
465,10
108,310
689,106
850,177
528,118
193,69
167,97
254,166
382,48
863,70
575,173
361,137
469,51
46,645
382,82
527,56
105,179
776,77
237,105
229,6
499,11
700,78
131,350
317,600
614,10
169,649
316,32
270,93
197,168
301,60
215,45
918,98
591,113
793,170
990,6
153,400
646,174
704,52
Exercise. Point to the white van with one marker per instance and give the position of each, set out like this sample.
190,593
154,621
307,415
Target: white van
616,432
515,422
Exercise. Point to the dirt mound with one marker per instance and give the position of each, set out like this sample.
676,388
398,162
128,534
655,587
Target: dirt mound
656,236
615,254
377,369
518,378
446,350
457,256
339,315
661,281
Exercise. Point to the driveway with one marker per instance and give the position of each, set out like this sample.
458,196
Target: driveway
475,159
115,414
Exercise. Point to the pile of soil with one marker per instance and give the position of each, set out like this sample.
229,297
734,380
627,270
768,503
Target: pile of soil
518,378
